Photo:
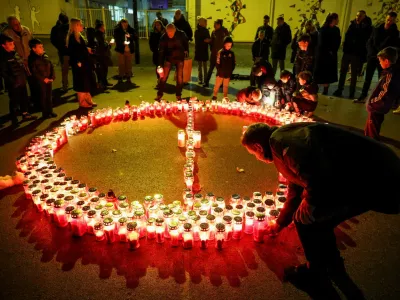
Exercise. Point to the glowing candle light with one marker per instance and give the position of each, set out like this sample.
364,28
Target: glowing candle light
78,224
204,235
197,139
151,229
160,229
109,230
99,232
187,236
181,138
259,228
249,222
237,228
59,213
219,236
174,233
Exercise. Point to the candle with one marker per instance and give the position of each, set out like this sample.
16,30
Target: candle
99,232
259,229
197,139
187,236
160,230
90,221
78,225
204,235
219,236
228,227
151,229
133,240
122,230
237,228
174,234
249,222
109,230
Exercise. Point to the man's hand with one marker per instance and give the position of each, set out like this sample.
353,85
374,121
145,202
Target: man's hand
46,80
273,229
304,213
79,64
90,50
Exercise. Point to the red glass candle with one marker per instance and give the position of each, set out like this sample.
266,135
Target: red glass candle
237,228
99,232
204,235
160,230
78,224
220,236
91,220
109,230
122,230
151,229
249,222
228,227
59,213
187,236
49,211
259,229
174,234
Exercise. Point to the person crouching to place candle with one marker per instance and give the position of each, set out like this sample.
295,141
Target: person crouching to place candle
314,158
306,100
250,95
287,86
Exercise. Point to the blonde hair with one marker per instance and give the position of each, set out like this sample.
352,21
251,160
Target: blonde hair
72,30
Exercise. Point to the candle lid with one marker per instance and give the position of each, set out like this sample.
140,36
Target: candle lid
82,185
239,206
44,181
210,217
282,199
122,221
238,219
220,227
94,199
68,178
58,203
98,226
122,198
139,213
82,195
177,203
108,221
173,225
197,205
67,198
43,197
26,182
236,196
36,192
182,218
251,205
80,203
273,213
104,212
50,202
187,226
69,209
76,213
257,194
269,202
68,188
37,181
131,226
159,221
269,193
149,199
123,205
204,226
117,212
102,195
167,213
93,190
158,197
280,194
203,213
236,212
250,214
210,195
260,216
189,196
257,201
98,207
109,205
198,196
191,213
74,191
227,219
195,218
218,210
91,213
75,181
261,209
86,208
205,201
32,186
282,186
150,221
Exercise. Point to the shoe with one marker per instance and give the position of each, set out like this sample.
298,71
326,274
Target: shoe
178,98
93,104
397,110
360,99
205,85
337,93
128,80
53,115
27,117
214,98
158,98
200,82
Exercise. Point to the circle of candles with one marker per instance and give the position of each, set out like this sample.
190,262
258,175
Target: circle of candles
219,236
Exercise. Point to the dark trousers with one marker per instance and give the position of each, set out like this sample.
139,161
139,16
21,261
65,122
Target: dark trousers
372,65
275,65
18,99
64,62
102,70
355,62
1,83
373,125
179,78
45,91
304,104
210,70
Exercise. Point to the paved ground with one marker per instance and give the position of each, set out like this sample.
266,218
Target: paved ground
39,261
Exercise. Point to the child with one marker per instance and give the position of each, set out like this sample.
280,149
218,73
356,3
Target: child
43,74
13,72
306,100
384,94
287,86
202,39
226,63
260,71
250,95
303,61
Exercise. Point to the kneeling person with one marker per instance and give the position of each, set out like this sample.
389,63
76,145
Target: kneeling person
306,99
250,95
287,86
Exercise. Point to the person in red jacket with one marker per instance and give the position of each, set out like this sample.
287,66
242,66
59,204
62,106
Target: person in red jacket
315,160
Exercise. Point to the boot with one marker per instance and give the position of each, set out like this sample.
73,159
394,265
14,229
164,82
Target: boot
325,92
337,93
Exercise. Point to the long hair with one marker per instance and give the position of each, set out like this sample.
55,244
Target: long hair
72,30
161,23
329,18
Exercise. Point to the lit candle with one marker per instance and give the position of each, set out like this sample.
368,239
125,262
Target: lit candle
91,221
78,225
187,236
99,232
181,138
160,229
249,222
237,228
174,234
259,229
60,217
133,235
219,236
109,229
197,139
204,235
122,230
151,230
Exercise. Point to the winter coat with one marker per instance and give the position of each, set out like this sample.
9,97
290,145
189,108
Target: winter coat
226,63
164,21
382,38
21,41
356,38
184,25
12,69
269,32
280,40
201,47
41,67
267,73
386,92
154,42
303,62
173,50
315,159
58,37
287,89
260,48
120,38
326,62
312,46
217,41
82,76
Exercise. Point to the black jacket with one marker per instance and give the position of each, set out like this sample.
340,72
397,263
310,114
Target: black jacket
260,48
280,40
314,158
303,62
269,32
226,63
12,69
312,46
287,89
386,92
382,38
58,38
217,41
172,50
267,73
154,42
356,38
201,47
103,47
41,67
119,37
184,25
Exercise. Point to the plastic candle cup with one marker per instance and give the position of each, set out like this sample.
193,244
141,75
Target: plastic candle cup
187,236
42,203
259,228
219,236
148,201
257,195
174,233
237,228
197,139
141,222
78,224
221,202
116,215
204,235
218,212
109,230
235,199
249,222
36,197
228,210
49,211
228,227
59,213
133,236
122,229
160,229
211,223
181,138
167,214
99,232
151,229
205,205
68,211
158,198
91,221
280,202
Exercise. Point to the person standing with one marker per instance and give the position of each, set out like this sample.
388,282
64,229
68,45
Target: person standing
268,30
385,35
174,47
311,30
125,37
304,60
260,48
325,71
58,36
183,25
385,93
315,160
217,42
226,63
164,21
80,63
202,40
354,52
154,41
103,55
280,40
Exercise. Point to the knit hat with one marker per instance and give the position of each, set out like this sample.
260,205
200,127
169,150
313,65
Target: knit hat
228,39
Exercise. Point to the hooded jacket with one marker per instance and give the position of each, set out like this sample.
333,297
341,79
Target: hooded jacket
41,67
184,25
260,48
201,47
304,61
269,32
21,40
382,38
356,38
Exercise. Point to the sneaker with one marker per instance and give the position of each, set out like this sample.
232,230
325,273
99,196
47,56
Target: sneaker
397,110
128,80
337,93
94,104
205,85
214,98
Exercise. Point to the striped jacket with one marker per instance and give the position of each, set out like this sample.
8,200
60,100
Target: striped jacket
385,93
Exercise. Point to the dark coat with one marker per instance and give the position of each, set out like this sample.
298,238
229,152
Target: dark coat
154,42
173,50
103,50
12,69
356,38
386,92
269,32
303,62
58,37
312,46
164,21
82,76
41,67
217,41
201,47
226,63
280,40
314,158
184,25
382,38
119,37
326,62
287,89
260,48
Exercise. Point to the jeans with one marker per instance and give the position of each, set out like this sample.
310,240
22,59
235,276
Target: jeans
202,69
18,99
373,125
372,65
275,65
355,62
179,78
125,64
218,82
64,61
210,70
